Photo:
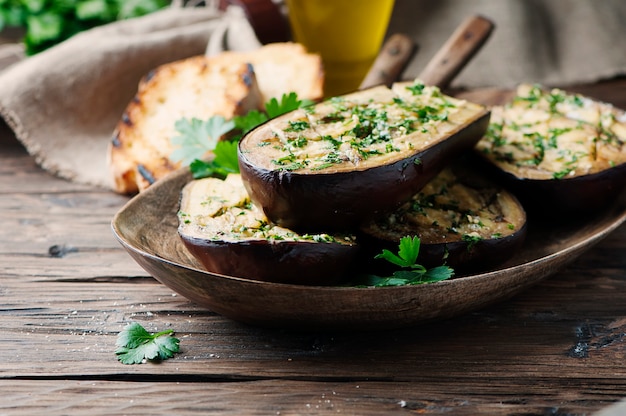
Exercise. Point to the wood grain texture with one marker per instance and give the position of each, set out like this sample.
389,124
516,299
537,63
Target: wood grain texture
280,397
557,348
457,51
390,62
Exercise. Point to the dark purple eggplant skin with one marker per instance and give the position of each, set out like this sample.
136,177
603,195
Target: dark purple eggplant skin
464,257
340,201
292,262
567,197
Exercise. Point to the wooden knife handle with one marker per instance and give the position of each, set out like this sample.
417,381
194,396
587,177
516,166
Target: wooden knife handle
390,62
464,42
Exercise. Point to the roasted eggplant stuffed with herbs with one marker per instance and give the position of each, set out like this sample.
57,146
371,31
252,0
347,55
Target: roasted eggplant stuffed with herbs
222,228
560,152
463,220
342,161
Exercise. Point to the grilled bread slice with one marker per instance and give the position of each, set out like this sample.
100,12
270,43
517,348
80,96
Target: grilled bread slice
228,84
282,68
196,87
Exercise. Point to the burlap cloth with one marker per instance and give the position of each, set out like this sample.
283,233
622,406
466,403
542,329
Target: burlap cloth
554,42
63,104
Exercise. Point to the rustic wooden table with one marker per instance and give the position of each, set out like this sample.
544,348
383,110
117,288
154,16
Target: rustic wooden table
67,288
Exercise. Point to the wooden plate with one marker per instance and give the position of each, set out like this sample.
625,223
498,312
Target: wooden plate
147,228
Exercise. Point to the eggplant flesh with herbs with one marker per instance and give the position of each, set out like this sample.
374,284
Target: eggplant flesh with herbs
462,219
561,153
228,235
335,164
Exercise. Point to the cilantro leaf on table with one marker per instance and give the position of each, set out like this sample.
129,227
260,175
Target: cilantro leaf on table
408,250
197,137
135,344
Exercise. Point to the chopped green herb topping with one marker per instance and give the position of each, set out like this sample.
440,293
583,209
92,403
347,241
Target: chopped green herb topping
556,134
359,127
298,125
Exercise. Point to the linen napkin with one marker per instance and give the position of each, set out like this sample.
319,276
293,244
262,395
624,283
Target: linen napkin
556,42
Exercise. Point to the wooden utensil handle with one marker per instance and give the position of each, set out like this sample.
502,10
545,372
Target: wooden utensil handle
464,42
390,62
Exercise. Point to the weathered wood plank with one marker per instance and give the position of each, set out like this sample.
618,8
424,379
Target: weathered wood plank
284,397
557,348
537,333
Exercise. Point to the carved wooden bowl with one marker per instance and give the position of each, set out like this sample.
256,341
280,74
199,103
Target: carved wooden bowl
147,228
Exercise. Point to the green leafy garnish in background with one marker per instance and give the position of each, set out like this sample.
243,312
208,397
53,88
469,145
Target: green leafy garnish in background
223,162
197,137
135,344
48,22
287,103
406,258
246,123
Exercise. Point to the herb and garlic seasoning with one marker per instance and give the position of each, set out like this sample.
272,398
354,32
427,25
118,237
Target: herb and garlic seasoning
554,135
356,130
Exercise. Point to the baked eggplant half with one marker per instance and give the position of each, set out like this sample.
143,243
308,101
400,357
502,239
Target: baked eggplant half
462,219
335,164
228,235
561,153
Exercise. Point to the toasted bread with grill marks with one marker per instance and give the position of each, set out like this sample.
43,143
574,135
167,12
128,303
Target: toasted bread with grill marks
282,68
228,84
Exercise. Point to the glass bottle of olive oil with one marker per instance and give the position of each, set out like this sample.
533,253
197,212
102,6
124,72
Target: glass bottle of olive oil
347,34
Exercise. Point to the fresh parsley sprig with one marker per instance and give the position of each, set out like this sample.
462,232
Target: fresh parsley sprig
135,344
408,250
224,162
287,103
196,137
245,123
